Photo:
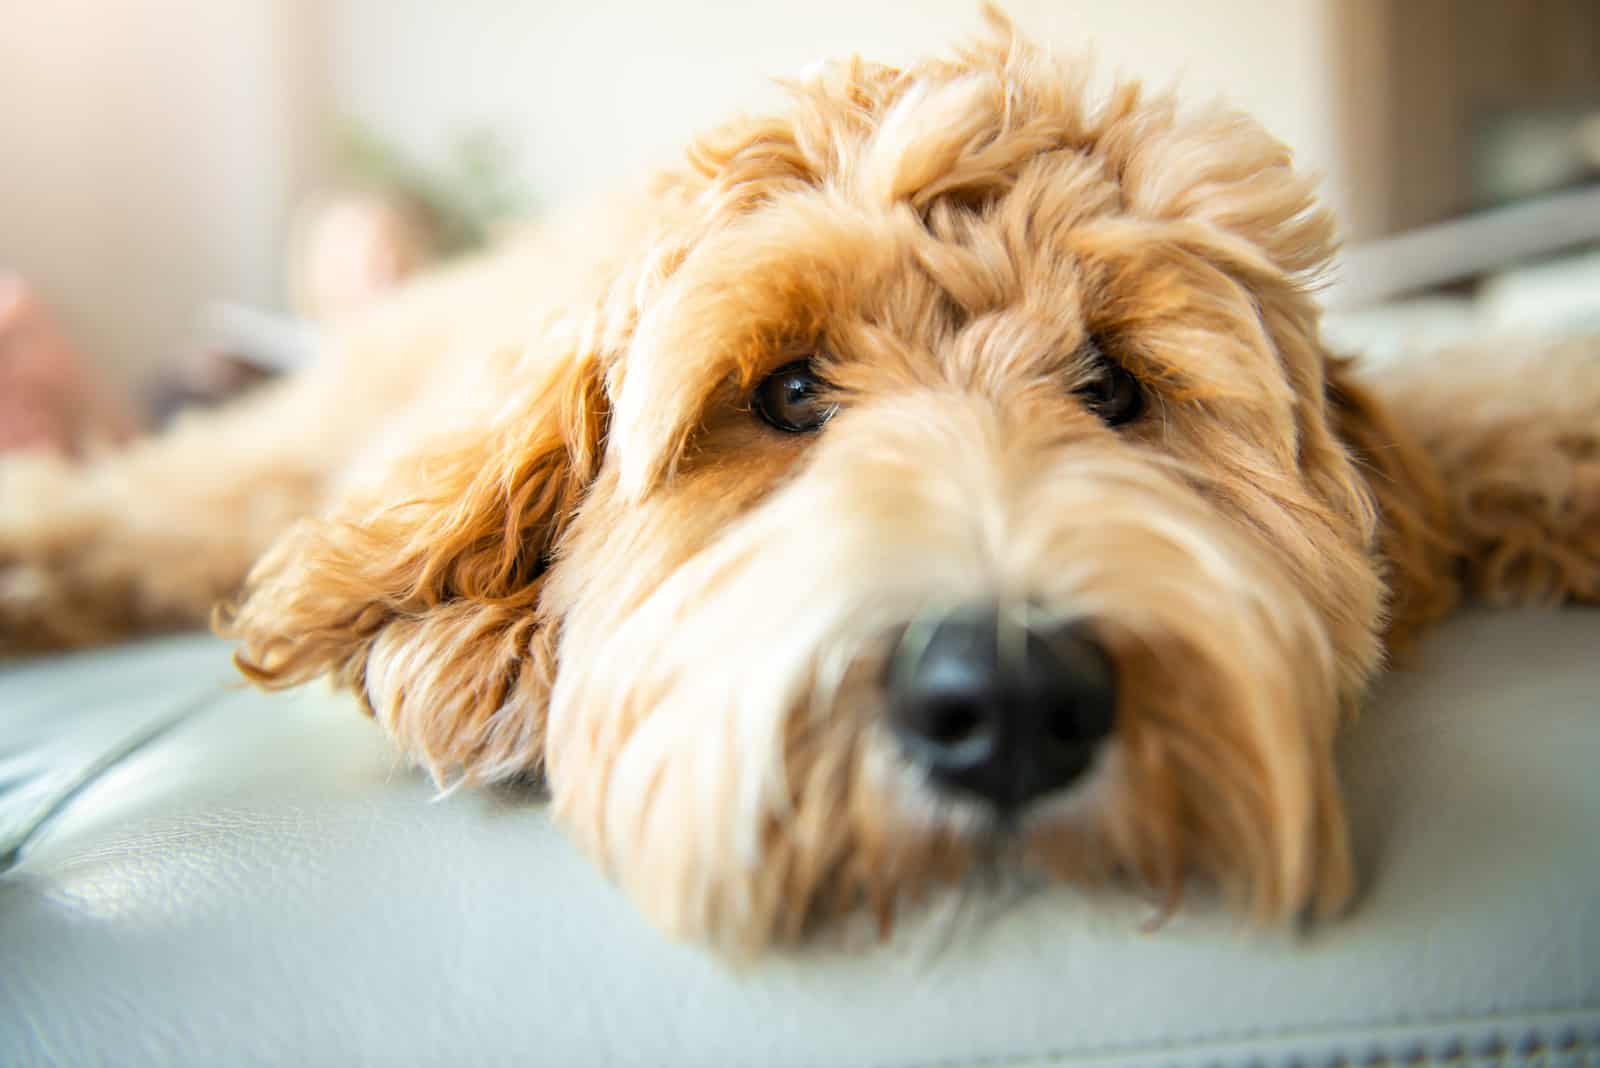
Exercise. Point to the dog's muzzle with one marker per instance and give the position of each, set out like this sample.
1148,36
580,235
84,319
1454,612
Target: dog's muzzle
999,710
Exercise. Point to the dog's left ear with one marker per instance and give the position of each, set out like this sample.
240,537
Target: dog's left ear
423,594
1413,511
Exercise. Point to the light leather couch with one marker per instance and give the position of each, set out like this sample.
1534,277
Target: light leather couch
199,874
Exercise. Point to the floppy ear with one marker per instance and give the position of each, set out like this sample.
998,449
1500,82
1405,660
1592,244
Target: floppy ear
422,595
1414,515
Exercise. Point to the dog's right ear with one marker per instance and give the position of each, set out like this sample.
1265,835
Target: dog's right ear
422,594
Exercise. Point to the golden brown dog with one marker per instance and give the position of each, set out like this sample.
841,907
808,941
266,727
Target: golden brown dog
945,471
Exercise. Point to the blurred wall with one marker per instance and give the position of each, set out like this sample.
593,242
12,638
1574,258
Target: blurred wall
592,89
1480,77
148,149
152,149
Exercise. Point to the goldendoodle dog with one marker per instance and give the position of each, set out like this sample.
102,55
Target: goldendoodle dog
942,472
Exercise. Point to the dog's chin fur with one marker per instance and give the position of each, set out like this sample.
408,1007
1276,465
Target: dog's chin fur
613,574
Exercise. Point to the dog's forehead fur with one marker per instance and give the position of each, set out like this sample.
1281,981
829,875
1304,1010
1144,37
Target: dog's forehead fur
971,224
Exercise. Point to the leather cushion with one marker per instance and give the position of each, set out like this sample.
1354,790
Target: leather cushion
259,881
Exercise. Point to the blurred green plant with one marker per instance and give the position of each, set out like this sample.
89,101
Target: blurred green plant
467,198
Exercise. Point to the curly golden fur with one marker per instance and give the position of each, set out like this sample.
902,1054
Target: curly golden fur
540,530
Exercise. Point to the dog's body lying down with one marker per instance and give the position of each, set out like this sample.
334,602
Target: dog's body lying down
942,474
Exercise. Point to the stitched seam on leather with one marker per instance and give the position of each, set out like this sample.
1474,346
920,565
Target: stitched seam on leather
1477,1043
97,769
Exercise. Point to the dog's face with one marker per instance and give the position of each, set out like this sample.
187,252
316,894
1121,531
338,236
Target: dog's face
959,493
968,484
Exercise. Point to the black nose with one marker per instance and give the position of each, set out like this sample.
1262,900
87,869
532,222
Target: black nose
1001,711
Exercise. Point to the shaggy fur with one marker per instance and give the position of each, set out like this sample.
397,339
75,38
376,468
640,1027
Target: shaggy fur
541,531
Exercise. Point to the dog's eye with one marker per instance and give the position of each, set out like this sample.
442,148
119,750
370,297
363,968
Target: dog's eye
791,399
1115,395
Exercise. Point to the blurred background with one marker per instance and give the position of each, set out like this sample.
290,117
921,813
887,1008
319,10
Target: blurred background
163,156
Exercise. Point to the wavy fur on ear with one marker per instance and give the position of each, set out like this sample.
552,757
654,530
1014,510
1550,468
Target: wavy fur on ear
1513,428
422,593
1483,463
1416,537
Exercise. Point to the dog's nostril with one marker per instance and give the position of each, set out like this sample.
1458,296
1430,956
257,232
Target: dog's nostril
1072,737
1080,696
947,729
1003,717
1064,728
951,722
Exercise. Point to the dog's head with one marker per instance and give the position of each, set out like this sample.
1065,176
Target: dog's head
954,478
